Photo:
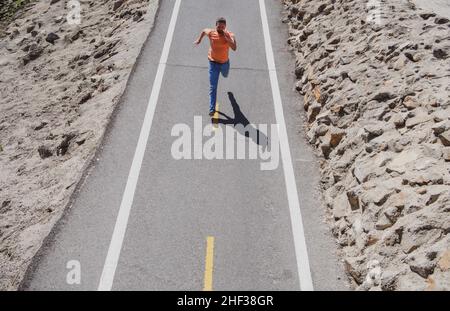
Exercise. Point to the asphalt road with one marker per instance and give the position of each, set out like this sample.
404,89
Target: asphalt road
250,215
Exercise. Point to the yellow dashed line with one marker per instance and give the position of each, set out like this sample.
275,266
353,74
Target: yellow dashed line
209,264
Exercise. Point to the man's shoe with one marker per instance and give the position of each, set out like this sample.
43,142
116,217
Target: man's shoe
211,113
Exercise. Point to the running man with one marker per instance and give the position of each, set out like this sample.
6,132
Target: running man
221,40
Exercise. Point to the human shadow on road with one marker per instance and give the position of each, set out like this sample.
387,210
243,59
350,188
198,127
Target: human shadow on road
241,124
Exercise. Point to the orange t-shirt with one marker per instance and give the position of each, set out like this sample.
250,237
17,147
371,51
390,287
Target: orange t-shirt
218,51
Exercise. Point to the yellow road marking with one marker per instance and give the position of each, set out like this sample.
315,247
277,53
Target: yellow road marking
216,117
209,263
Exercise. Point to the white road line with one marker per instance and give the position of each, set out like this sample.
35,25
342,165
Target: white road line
109,268
301,251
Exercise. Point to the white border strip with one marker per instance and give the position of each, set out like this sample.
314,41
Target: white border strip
109,268
301,251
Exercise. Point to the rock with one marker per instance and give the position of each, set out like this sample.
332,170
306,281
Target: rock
44,152
341,207
33,54
332,137
441,115
354,267
422,266
85,98
117,4
411,282
383,96
59,19
377,196
400,162
400,63
445,138
393,236
313,111
374,130
410,102
444,261
440,54
433,175
353,199
336,136
393,213
40,126
52,37
441,20
383,223
326,149
441,127
421,118
416,235
398,120
446,154
426,16
365,169
64,145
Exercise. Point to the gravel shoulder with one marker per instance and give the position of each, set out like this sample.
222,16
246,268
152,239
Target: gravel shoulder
376,88
59,86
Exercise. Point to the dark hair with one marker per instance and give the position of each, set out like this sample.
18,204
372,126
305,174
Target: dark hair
221,20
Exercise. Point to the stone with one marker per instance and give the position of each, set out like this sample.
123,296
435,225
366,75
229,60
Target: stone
34,52
52,37
422,266
341,207
411,282
400,162
441,127
313,111
445,138
446,154
410,103
440,54
44,152
383,223
353,199
419,119
393,213
374,130
398,120
117,5
377,196
444,261
355,268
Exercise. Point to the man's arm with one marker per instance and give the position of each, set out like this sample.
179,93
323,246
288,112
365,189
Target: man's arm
202,34
231,40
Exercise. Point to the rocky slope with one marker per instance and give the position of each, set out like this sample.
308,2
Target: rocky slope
59,85
375,76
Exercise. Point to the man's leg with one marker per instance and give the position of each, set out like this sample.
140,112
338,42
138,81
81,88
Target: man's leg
214,72
225,69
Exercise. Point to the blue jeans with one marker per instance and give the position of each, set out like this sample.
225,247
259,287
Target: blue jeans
214,72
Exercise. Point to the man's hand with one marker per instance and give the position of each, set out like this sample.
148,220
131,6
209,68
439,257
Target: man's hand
202,34
231,40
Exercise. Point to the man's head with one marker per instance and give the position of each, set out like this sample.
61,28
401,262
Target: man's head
221,25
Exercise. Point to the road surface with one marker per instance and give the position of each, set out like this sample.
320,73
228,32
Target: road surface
144,220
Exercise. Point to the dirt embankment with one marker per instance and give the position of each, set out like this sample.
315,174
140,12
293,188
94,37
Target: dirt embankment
375,77
59,85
